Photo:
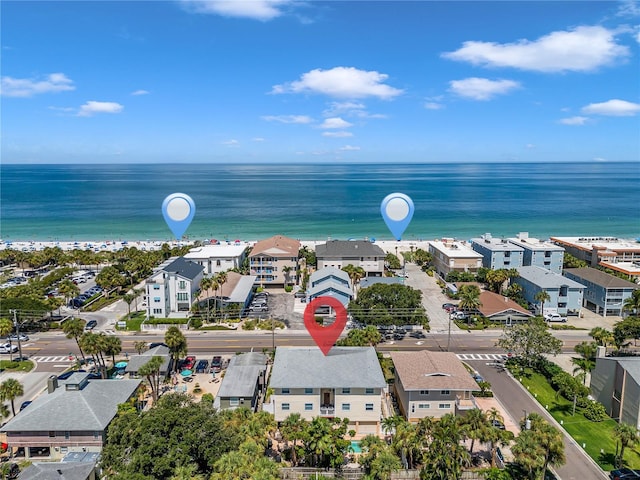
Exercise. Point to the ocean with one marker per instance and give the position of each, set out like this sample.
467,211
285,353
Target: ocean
316,202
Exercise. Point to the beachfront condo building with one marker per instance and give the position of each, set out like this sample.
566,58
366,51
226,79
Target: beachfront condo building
450,255
359,253
497,253
604,293
218,258
539,253
346,383
432,384
274,261
565,294
610,252
172,288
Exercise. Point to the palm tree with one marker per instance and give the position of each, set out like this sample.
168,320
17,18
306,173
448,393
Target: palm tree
177,344
586,362
406,442
140,347
112,346
445,456
355,274
151,370
74,328
68,289
293,429
128,298
627,435
389,424
602,336
10,389
384,464
222,279
542,296
6,327
205,285
477,424
470,299
632,304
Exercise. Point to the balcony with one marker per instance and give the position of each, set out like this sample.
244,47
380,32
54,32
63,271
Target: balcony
465,403
327,410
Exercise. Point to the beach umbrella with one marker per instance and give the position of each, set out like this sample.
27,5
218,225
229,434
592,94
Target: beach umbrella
186,373
121,365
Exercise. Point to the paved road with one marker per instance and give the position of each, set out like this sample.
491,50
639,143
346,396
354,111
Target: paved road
516,400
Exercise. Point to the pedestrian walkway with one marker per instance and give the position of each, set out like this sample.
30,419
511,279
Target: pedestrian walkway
54,359
481,356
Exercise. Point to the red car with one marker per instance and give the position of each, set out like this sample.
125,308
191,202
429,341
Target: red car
189,362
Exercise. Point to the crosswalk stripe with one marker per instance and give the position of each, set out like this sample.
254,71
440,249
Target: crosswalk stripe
43,359
481,356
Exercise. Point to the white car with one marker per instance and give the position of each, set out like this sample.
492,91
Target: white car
554,317
8,348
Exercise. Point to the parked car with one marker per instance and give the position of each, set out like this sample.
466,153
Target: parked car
497,424
8,348
459,315
189,362
624,474
216,364
554,317
91,324
15,337
25,405
446,306
202,366
300,294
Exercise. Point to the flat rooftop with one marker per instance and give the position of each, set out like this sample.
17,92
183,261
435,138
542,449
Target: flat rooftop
454,249
531,243
216,251
496,244
614,244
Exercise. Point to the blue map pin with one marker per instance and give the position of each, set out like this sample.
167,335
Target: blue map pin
178,210
397,211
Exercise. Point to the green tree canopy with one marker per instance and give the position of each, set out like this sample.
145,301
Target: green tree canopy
530,340
384,304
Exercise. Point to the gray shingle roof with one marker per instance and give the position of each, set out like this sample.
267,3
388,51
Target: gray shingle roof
250,358
307,367
136,361
348,248
88,409
368,281
58,471
184,268
601,278
240,381
329,274
545,278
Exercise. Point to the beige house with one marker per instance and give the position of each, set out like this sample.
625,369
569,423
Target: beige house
359,253
450,255
346,383
432,384
274,261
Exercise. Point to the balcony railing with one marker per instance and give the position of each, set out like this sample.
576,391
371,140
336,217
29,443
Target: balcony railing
327,410
466,403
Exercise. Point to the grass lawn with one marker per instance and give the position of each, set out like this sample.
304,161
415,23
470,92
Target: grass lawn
133,322
24,366
597,436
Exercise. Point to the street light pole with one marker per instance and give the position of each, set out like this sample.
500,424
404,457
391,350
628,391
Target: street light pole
449,334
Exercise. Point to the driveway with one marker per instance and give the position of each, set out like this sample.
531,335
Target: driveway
432,299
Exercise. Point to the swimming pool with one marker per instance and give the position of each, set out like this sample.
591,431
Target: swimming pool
355,446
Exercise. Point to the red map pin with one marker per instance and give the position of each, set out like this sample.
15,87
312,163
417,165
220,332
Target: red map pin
325,337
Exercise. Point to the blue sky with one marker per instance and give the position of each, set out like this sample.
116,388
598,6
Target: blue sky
296,81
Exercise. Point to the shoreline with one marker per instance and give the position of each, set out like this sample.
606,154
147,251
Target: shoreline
388,246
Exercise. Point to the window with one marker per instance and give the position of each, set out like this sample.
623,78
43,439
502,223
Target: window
424,405
368,407
368,391
157,311
444,406
445,392
424,392
346,391
182,284
156,299
97,434
67,435
183,297
346,407
308,406
217,263
285,391
156,287
285,406
234,401
52,434
308,391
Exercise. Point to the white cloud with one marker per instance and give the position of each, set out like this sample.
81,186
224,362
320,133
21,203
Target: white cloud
582,49
350,109
615,108
263,10
433,106
599,159
341,82
301,119
28,87
335,123
140,92
341,134
628,8
62,109
232,143
349,148
530,145
257,139
92,107
481,88
574,120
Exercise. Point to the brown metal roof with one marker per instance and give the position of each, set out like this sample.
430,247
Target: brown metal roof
276,246
492,304
425,370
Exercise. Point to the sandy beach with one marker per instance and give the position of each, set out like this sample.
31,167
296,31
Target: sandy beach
389,246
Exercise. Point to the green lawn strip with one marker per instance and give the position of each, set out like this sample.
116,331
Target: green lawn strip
597,436
133,322
25,366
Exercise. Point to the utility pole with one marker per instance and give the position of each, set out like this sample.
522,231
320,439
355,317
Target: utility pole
16,325
449,335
